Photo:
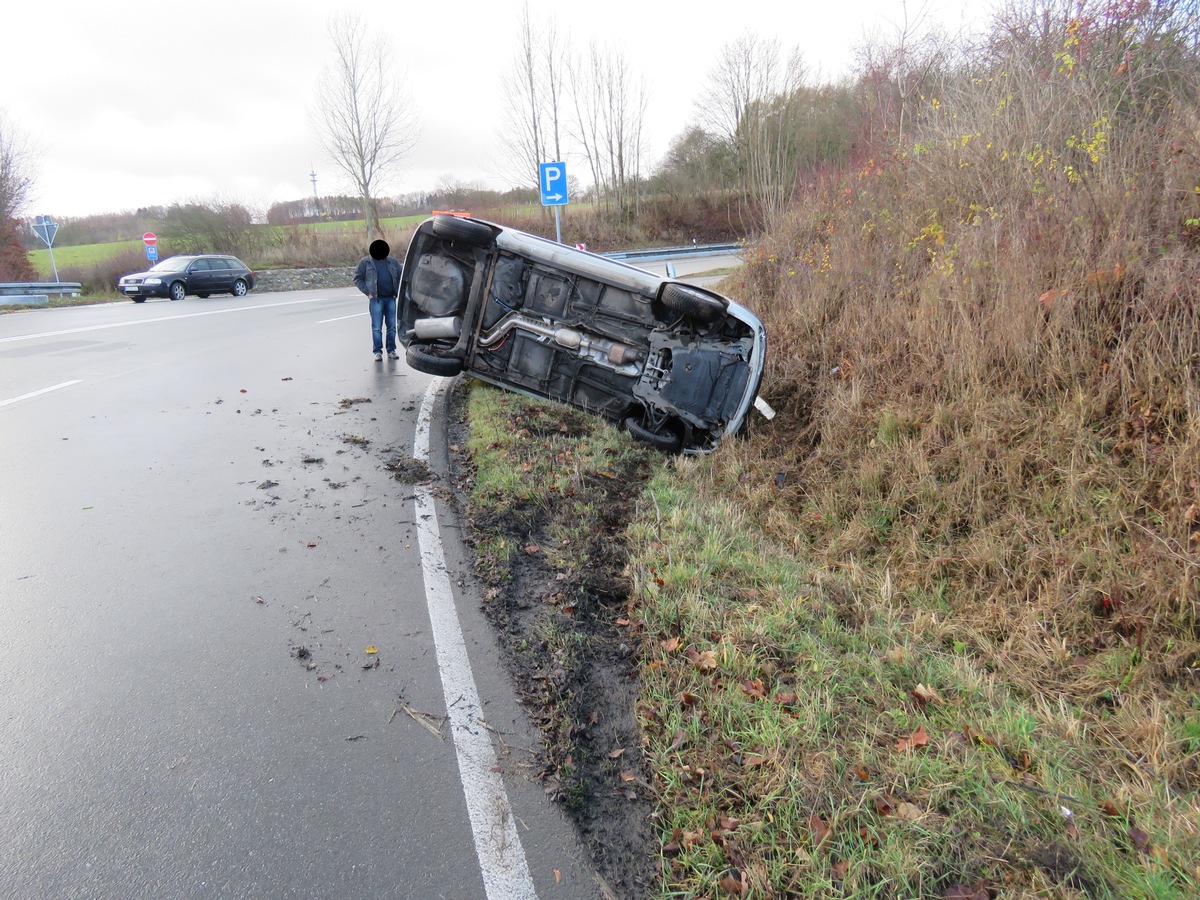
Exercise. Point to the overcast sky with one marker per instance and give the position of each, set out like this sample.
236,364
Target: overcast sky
133,104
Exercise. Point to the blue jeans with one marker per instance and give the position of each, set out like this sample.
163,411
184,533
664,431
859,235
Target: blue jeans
383,309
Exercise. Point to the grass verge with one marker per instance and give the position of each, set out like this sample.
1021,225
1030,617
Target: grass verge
815,735
804,730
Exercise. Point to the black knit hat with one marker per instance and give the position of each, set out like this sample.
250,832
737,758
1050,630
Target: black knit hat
380,249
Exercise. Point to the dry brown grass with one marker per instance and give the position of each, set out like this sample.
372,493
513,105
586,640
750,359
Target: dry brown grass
984,350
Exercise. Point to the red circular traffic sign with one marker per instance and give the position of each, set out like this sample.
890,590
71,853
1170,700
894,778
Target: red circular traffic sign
149,238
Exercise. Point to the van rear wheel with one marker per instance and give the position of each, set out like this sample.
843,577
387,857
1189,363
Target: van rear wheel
664,440
421,358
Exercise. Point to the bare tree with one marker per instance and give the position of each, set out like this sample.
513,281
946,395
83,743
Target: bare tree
16,185
610,113
534,92
366,122
16,168
896,72
752,100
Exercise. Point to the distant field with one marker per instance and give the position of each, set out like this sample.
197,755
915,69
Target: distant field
82,255
89,254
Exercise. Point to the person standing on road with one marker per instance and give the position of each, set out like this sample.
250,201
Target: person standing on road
378,276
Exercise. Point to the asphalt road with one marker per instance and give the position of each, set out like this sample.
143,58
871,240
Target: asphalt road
199,540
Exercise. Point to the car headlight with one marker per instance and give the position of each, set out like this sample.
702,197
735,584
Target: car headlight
153,281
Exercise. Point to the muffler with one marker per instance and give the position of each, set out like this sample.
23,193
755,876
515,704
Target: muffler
441,327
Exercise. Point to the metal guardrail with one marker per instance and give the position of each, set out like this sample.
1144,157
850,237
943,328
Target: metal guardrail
674,252
40,287
36,293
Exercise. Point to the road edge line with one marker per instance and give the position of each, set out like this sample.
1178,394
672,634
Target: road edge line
498,847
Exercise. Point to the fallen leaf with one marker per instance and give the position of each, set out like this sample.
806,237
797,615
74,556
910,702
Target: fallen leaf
1139,839
1110,809
371,648
977,891
1047,299
885,804
628,776
244,391
925,695
839,870
655,664
787,699
733,882
917,739
707,661
623,621
896,655
288,378
908,812
557,877
862,773
312,544
753,760
678,740
820,831
975,737
671,644
613,754
754,689
532,548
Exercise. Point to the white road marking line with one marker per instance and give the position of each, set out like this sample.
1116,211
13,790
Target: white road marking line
210,312
55,387
502,860
339,318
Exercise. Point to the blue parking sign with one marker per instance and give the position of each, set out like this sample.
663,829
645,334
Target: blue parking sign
552,178
151,253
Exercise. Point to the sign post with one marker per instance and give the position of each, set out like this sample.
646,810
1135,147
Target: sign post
46,228
552,179
150,239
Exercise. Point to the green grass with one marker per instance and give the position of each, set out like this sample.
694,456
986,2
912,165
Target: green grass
810,735
812,732
80,256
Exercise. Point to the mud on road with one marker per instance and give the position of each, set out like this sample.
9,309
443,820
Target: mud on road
574,667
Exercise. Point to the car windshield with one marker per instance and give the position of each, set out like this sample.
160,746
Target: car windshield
174,264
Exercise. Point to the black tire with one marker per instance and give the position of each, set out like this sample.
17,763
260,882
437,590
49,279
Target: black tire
419,357
239,288
695,304
668,442
463,231
139,299
178,291
202,296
